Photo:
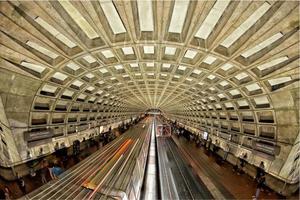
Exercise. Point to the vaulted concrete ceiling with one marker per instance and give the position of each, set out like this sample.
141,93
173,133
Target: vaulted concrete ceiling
226,64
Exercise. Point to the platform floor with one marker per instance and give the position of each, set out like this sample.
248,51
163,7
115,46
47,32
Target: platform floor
221,177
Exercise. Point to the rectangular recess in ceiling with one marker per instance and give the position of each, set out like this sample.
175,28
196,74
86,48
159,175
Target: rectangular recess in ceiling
145,14
60,76
178,16
89,59
41,49
190,54
73,66
170,50
127,50
226,66
252,87
34,67
148,49
262,45
212,19
79,19
277,81
272,63
246,25
112,17
55,32
209,60
107,54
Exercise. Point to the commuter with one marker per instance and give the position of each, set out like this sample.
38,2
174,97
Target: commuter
260,171
21,184
44,171
55,171
226,151
242,164
260,184
2,194
7,193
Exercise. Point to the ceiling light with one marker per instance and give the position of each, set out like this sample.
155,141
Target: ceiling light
212,19
226,66
178,16
262,45
145,15
250,21
112,17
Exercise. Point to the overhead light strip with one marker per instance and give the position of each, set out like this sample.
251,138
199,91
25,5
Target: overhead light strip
112,17
246,25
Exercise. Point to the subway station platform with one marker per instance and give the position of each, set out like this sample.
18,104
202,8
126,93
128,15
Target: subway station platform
147,99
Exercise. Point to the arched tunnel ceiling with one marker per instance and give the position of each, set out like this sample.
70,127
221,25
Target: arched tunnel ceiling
214,61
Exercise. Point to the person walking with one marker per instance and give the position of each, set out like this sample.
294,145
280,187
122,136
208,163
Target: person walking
44,171
260,184
260,171
21,184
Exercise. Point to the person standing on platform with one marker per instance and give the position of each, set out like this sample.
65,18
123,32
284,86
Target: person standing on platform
260,171
44,171
260,184
2,194
226,151
7,193
21,184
